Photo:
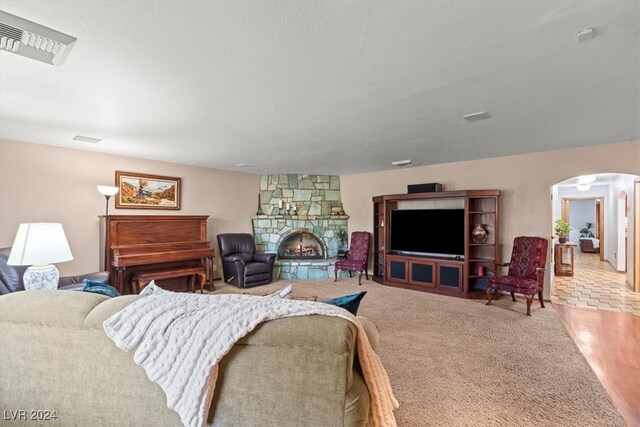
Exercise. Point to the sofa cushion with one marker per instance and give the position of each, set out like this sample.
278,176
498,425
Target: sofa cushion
306,331
48,307
515,284
108,308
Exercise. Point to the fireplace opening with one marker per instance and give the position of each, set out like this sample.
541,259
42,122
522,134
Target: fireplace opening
301,245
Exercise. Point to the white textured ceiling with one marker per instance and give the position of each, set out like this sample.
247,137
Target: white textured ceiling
327,87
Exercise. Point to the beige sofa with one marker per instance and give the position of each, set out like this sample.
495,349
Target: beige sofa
55,356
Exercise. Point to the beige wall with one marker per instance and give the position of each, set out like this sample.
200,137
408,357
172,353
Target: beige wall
524,182
40,183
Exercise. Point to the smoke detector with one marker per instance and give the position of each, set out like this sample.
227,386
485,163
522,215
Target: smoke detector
35,41
586,34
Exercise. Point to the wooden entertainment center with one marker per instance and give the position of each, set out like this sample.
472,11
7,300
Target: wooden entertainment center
463,277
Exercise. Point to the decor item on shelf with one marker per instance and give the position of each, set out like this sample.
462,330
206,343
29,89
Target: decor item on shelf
562,230
479,233
259,211
39,245
480,270
586,231
144,191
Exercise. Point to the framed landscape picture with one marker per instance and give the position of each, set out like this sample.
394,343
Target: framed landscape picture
143,191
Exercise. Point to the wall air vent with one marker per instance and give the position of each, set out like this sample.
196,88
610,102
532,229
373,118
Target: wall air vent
31,40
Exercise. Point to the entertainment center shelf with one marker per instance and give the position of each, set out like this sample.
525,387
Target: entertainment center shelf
463,270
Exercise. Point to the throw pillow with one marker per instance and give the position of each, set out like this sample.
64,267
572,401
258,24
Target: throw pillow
348,302
99,288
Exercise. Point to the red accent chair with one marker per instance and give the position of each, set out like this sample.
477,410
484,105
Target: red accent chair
358,256
526,270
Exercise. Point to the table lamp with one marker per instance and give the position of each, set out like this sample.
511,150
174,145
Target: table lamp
39,245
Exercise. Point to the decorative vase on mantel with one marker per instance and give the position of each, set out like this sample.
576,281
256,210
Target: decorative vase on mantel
479,233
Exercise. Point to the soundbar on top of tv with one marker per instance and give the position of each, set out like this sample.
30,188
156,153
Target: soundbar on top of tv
430,254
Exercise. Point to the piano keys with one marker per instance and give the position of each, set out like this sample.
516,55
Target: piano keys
146,243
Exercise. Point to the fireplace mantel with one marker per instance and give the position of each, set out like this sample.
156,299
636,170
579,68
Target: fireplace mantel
302,217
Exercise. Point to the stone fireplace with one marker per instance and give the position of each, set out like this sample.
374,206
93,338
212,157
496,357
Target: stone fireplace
301,218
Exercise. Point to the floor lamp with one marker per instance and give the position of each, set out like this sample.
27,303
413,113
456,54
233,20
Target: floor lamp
107,192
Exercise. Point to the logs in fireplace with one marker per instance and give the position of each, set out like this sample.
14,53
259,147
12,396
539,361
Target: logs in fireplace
301,245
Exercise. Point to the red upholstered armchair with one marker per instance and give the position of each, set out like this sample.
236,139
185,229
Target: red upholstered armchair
526,270
358,257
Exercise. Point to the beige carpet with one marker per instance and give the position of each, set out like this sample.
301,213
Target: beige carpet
455,362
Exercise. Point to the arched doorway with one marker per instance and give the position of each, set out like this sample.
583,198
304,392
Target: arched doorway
604,238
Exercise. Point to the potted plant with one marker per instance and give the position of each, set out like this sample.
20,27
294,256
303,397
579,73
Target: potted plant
562,230
586,231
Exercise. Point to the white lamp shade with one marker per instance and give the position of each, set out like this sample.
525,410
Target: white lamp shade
107,190
40,244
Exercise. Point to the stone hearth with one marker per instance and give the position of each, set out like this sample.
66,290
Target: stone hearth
318,209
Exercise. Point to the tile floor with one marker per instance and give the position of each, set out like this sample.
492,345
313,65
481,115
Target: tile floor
596,285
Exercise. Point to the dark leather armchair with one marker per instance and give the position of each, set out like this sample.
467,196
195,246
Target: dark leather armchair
241,265
11,276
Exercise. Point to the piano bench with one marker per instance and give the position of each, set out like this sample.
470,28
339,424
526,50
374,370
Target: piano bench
142,279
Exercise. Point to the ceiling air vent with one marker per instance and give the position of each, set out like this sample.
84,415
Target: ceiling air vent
482,115
402,163
32,40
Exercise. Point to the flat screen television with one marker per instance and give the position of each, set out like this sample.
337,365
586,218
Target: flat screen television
433,232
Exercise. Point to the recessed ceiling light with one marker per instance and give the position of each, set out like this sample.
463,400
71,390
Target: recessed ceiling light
482,115
86,139
401,163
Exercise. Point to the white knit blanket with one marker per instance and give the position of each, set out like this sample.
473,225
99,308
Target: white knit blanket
180,338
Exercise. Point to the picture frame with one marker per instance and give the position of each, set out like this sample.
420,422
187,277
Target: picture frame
145,191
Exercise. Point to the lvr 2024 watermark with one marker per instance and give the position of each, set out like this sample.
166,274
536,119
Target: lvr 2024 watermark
29,415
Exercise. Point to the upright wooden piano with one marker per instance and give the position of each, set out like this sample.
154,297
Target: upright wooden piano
139,244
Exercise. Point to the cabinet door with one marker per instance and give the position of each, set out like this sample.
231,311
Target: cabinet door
397,270
450,276
422,273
